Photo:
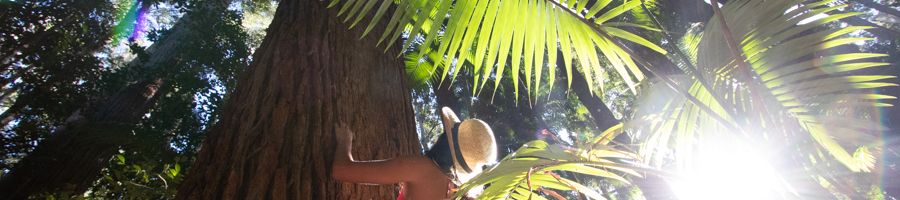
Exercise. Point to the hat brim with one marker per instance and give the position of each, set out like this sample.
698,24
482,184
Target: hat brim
448,117
450,120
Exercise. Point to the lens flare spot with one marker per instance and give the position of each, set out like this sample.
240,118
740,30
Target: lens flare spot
132,22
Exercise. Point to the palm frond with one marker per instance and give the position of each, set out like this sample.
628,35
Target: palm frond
536,167
495,35
797,85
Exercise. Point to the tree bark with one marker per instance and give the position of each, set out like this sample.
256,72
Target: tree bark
72,159
277,132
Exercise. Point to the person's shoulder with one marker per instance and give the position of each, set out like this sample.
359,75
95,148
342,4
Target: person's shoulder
422,166
413,161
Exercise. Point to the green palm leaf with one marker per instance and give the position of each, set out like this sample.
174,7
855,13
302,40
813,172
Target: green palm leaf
536,166
496,35
796,85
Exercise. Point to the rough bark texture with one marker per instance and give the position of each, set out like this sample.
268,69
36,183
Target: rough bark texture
276,138
72,159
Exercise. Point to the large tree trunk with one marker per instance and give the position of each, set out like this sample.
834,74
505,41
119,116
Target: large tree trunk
276,138
71,160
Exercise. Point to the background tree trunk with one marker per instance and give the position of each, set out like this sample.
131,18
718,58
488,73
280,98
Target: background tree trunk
72,159
82,153
653,186
444,94
600,114
276,138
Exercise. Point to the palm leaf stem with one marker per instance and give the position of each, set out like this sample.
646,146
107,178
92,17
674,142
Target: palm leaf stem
558,178
692,69
745,69
556,195
665,32
674,86
634,167
528,179
729,37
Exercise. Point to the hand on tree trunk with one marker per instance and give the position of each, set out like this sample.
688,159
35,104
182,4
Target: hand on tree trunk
344,143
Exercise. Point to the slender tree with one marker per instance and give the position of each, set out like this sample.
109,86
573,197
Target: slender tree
601,116
46,61
73,157
55,168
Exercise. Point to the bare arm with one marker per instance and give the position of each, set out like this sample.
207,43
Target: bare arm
396,170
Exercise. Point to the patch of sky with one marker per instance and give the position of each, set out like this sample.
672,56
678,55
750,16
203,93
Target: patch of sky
206,100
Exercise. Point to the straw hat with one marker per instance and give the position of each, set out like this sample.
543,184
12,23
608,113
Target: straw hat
472,144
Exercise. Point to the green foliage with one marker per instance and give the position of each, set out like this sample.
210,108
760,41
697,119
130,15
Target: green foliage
493,33
200,73
197,71
137,176
787,87
47,67
535,170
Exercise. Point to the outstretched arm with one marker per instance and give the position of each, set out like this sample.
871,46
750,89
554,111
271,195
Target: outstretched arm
396,170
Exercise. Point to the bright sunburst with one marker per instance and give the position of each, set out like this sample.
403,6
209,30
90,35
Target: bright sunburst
729,170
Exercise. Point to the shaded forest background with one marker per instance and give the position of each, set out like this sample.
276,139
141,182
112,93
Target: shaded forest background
129,89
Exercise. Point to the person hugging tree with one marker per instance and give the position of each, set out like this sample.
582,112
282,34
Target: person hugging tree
459,155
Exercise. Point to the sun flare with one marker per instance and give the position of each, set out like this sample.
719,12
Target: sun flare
729,172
